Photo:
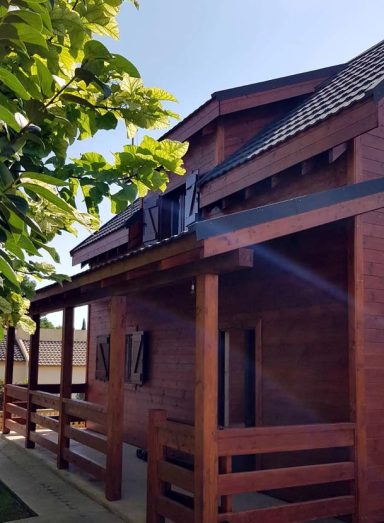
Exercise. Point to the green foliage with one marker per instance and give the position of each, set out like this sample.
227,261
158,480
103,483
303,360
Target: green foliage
58,84
46,324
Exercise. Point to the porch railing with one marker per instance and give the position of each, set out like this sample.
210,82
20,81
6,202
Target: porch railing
164,476
23,420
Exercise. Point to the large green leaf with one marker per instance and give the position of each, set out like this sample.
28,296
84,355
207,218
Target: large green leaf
42,177
7,271
13,83
48,195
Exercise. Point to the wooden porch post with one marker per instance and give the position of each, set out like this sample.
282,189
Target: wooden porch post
33,374
65,383
115,402
8,377
206,382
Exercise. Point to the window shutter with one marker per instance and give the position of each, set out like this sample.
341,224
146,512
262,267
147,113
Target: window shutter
191,199
151,219
135,358
102,358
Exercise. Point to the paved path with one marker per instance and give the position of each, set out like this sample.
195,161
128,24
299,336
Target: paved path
46,493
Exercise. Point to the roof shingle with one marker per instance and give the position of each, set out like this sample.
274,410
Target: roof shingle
50,352
3,348
353,83
117,222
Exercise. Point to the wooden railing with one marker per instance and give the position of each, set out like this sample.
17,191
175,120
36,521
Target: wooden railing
58,439
165,473
15,408
169,483
268,440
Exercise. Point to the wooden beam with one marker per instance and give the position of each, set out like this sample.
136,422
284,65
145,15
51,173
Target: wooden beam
65,383
171,248
356,318
33,376
155,275
294,512
263,232
264,480
8,375
290,438
115,400
206,383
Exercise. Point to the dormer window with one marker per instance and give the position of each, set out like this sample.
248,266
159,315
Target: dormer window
172,213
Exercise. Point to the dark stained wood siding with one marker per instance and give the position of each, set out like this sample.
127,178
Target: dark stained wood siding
297,288
370,164
242,126
168,317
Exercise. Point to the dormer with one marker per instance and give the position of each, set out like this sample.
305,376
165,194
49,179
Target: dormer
214,131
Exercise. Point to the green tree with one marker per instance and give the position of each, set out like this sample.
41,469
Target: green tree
46,324
59,84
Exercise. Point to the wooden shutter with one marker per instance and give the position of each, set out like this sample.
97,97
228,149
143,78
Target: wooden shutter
191,199
102,358
135,358
151,219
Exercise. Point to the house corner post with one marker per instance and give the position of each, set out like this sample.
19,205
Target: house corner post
115,402
206,382
65,384
33,374
8,375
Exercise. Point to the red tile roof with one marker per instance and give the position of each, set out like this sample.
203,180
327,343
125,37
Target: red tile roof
50,352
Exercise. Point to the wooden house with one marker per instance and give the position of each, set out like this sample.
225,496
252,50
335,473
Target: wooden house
236,322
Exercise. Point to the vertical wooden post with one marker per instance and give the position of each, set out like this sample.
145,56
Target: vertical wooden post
33,375
155,453
225,467
65,383
115,412
8,377
357,384
206,382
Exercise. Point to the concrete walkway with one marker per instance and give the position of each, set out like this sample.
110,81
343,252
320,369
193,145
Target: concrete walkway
45,492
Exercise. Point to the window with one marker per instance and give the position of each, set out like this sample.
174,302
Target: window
136,358
171,214
102,358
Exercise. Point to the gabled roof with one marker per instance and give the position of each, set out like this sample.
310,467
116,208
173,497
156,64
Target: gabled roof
214,107
50,352
356,81
114,224
3,347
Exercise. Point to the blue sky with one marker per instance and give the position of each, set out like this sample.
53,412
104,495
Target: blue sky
194,48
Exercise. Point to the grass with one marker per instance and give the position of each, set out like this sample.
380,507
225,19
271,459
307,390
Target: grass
11,506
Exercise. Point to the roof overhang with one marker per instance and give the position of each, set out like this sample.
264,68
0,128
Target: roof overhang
262,224
219,245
